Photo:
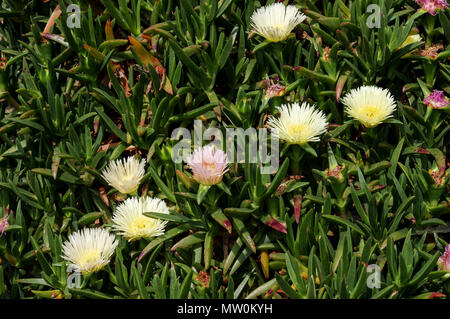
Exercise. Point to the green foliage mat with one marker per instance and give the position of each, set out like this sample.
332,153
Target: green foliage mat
362,213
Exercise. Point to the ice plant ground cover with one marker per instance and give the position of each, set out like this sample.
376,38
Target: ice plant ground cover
92,204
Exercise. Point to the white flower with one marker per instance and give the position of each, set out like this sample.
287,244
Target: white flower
298,124
370,105
129,219
89,249
276,21
125,175
208,165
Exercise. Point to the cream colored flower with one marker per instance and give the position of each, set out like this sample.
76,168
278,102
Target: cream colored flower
125,175
89,249
298,124
370,105
276,21
129,219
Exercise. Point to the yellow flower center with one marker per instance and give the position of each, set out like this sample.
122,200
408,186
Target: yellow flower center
128,178
297,128
278,33
370,115
370,111
90,256
141,223
209,166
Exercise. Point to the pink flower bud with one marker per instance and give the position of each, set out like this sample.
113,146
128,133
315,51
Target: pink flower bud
433,6
3,224
436,100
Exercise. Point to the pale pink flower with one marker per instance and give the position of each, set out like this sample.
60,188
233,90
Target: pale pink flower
208,165
436,100
433,6
444,260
